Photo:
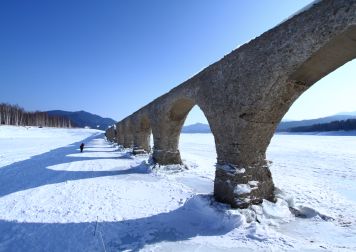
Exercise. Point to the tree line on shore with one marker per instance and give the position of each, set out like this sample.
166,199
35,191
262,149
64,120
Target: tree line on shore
15,115
345,125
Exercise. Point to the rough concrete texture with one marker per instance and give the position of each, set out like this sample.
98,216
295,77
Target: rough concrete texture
245,95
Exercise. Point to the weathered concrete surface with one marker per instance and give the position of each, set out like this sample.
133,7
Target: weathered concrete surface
142,133
127,131
246,94
111,134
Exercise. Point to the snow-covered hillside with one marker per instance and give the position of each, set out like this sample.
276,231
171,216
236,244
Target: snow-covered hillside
54,198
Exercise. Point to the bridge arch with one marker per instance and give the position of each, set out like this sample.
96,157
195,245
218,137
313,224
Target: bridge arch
336,52
321,53
245,95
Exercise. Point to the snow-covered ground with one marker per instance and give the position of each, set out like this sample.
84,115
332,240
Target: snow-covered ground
20,143
53,198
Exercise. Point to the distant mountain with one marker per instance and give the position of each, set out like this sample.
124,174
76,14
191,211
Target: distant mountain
344,125
353,113
196,128
83,119
284,126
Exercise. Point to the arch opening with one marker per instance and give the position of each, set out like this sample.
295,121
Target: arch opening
180,109
331,95
197,145
306,151
334,54
168,132
339,51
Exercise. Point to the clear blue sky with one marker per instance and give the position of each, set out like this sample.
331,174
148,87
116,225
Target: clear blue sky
113,57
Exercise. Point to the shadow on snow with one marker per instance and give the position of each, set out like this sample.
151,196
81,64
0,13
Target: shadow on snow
198,216
34,172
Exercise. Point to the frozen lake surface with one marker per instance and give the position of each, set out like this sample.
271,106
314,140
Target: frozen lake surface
53,198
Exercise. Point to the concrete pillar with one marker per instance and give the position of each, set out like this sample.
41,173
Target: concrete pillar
166,131
142,134
166,152
110,134
166,141
128,138
142,140
242,175
120,133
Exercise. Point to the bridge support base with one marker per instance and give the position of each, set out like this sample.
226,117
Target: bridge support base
241,187
166,157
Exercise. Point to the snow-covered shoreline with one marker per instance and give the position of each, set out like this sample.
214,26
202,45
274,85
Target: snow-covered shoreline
53,198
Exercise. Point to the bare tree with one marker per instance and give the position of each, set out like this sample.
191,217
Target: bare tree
15,115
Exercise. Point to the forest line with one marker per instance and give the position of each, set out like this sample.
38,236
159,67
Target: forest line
16,115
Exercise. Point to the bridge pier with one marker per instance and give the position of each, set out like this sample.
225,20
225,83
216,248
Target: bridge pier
128,136
241,186
242,175
166,141
141,133
120,134
165,149
110,134
141,140
120,138
166,157
128,140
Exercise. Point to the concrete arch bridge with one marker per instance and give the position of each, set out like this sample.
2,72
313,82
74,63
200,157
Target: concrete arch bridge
245,95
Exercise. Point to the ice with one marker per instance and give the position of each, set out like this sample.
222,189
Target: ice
242,189
253,183
231,169
54,198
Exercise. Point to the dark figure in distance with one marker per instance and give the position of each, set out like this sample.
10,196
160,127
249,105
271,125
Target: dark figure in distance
81,147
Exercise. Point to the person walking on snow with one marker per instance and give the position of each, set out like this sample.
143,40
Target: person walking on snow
81,147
